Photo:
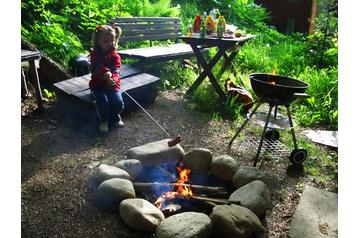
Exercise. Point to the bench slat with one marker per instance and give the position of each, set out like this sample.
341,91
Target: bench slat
149,37
73,85
152,28
144,19
157,51
128,70
150,32
127,84
160,53
76,84
128,27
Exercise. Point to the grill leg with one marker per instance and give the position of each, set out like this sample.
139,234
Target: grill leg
263,135
244,124
291,125
275,113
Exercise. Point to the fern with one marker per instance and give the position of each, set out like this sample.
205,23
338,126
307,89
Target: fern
161,8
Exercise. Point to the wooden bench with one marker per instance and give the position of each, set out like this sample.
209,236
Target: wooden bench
136,29
76,95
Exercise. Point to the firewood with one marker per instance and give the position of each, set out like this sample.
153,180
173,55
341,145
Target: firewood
216,201
215,192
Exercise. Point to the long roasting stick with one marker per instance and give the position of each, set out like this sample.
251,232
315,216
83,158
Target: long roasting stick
172,142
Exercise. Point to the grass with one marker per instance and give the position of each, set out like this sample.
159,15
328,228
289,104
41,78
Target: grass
321,164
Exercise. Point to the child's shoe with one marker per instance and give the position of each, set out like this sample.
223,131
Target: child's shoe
118,124
103,127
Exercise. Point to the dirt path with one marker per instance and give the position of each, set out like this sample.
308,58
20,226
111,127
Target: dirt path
58,159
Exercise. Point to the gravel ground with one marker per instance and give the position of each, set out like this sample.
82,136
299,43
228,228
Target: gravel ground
57,159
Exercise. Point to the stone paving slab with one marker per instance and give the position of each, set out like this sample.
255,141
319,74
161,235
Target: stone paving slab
316,215
329,138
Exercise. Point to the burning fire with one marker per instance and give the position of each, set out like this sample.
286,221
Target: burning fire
184,189
274,72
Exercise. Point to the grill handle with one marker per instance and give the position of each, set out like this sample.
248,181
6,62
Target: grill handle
301,95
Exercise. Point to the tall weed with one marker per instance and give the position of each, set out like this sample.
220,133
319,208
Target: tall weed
322,107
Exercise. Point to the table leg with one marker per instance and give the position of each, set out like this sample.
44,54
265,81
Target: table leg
24,90
228,62
207,71
36,83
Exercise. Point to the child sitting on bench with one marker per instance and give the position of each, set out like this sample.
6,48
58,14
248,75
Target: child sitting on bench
105,79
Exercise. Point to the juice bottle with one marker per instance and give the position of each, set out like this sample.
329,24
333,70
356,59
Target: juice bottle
202,28
209,25
223,22
189,28
220,29
197,23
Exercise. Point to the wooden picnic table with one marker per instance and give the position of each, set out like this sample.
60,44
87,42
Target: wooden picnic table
224,45
31,57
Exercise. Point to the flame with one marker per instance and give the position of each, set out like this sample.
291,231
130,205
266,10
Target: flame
159,203
275,70
183,189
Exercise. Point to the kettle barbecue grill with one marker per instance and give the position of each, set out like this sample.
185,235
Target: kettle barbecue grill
276,90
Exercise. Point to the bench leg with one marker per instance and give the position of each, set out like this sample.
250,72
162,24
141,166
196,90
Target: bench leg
36,83
24,90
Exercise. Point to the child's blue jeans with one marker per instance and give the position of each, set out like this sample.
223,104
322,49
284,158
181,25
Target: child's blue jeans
109,103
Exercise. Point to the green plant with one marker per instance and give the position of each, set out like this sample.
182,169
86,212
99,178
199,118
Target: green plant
63,29
49,95
322,106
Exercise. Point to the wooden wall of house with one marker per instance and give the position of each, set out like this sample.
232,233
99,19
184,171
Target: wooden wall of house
290,15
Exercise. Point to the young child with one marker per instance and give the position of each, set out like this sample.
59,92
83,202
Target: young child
105,80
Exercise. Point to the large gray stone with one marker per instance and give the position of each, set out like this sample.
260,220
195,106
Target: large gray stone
233,221
247,174
316,215
254,196
224,167
104,172
112,191
132,166
198,160
156,153
185,225
139,214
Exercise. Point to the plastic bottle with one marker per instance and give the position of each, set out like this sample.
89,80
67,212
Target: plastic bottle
213,14
221,20
202,28
220,28
209,25
189,28
197,23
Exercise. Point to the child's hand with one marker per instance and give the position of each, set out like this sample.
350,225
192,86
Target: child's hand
110,82
107,75
108,78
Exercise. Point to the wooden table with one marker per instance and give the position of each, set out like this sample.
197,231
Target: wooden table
224,45
31,57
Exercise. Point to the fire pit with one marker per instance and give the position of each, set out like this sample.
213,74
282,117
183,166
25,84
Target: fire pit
167,191
276,90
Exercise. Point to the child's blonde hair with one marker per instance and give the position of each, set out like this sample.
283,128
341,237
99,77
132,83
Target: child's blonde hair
105,29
